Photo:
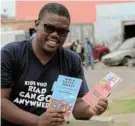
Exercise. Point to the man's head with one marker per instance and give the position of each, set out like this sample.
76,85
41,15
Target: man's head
52,27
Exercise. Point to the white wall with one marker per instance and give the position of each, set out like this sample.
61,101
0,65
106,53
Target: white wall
120,11
108,27
9,5
12,36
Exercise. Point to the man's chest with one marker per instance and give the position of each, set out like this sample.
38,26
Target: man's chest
33,87
36,77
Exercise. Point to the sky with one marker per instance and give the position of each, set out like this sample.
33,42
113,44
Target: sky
126,9
9,5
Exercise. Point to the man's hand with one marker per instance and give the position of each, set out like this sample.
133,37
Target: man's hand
100,107
51,117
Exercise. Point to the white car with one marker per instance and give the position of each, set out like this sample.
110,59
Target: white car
125,52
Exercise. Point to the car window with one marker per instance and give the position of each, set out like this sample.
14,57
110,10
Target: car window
128,44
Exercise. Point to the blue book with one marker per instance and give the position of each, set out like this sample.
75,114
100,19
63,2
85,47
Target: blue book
69,82
65,92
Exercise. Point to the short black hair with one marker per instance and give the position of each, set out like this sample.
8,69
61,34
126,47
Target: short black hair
54,8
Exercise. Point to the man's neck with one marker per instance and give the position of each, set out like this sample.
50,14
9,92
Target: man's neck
43,56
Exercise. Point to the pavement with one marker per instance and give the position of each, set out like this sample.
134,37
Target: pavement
127,118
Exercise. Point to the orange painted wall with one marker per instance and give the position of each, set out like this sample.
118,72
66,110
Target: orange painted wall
80,11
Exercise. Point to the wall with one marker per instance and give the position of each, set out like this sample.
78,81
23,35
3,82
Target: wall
108,25
81,12
83,15
17,25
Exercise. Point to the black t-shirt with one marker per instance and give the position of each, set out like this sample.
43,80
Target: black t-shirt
30,80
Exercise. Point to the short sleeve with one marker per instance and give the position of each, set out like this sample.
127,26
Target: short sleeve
6,68
78,72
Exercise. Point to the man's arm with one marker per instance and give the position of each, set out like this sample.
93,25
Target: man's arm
13,114
81,110
10,111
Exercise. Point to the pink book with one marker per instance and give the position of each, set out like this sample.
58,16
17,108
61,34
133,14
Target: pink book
103,89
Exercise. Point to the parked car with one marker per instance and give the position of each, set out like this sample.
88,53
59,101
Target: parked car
125,52
98,51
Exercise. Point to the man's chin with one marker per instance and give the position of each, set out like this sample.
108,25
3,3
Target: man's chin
49,50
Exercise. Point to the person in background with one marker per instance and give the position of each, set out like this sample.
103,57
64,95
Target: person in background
32,32
29,69
73,47
88,53
79,49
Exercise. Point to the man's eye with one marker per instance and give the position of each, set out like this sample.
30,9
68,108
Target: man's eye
50,28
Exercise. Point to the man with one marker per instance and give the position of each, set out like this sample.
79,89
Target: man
88,53
29,69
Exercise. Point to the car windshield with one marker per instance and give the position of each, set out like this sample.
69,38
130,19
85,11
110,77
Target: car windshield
128,44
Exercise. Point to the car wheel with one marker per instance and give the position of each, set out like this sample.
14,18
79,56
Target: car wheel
102,54
125,60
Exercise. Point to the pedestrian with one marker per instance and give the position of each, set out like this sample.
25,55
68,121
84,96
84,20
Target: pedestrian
88,53
73,47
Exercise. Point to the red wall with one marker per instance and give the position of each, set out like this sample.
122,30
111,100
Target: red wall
80,11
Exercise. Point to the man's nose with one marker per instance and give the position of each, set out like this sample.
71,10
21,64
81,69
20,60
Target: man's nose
54,34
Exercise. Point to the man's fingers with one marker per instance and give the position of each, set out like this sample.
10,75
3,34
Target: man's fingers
54,110
57,120
54,115
103,99
102,103
56,124
100,108
96,110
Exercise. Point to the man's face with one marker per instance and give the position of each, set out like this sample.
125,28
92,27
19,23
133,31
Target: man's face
52,31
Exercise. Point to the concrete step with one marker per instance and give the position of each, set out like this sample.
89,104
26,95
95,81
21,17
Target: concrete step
94,121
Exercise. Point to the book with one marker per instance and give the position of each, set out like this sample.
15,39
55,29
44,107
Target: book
65,92
102,89
69,82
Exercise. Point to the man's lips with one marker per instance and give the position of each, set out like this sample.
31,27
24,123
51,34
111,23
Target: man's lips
52,43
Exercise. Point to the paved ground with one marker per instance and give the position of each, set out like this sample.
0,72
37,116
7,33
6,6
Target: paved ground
125,90
130,118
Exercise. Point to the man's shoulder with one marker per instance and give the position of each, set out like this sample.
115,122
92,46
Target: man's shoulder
14,46
70,54
15,50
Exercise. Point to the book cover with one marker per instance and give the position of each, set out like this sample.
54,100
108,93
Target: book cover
65,92
103,89
68,82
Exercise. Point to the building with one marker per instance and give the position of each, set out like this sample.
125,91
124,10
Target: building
83,16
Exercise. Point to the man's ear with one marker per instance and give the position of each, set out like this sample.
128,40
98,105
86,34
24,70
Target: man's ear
36,22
